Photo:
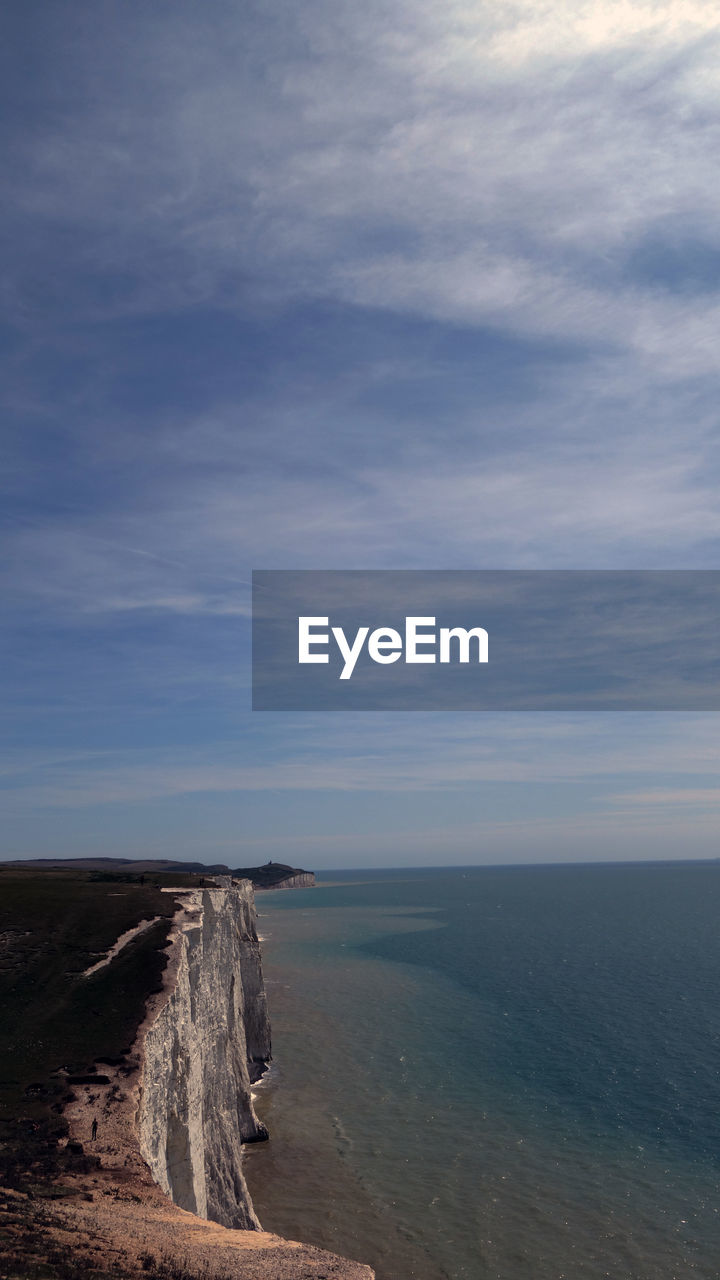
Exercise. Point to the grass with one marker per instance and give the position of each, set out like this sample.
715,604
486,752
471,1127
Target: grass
53,926
55,1024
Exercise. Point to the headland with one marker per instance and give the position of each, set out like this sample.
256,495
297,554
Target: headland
125,1148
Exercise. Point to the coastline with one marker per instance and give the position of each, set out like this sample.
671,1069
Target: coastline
121,1203
134,1218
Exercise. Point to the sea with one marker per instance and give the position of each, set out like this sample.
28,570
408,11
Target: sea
487,1073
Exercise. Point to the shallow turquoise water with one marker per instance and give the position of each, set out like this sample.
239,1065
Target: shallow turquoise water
508,1073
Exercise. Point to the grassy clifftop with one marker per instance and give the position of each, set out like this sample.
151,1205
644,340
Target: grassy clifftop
54,925
271,875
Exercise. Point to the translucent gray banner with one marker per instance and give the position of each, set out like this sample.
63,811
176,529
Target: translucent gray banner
513,640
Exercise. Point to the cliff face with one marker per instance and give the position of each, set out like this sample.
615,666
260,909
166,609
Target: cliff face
298,880
276,875
209,1040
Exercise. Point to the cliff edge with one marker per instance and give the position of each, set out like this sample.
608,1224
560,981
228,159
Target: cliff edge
276,875
201,1050
166,1181
273,875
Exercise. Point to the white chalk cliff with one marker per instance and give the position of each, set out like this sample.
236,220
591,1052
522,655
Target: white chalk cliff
298,880
202,1050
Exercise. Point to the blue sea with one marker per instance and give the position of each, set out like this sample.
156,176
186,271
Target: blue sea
497,1073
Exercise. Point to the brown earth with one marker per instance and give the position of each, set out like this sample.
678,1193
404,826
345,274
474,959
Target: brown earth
117,1221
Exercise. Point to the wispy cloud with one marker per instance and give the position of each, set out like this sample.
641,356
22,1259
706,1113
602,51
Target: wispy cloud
442,753
702,799
344,286
489,163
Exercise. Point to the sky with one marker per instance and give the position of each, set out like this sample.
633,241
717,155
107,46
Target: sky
339,286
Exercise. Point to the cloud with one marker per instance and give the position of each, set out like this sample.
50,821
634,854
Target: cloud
513,156
345,286
702,799
438,752
190,546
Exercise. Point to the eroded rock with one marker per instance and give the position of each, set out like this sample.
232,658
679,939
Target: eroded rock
209,1038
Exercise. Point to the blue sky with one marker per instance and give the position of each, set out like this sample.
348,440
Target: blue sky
338,286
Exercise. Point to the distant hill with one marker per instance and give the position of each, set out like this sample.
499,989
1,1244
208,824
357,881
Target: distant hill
276,875
273,875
